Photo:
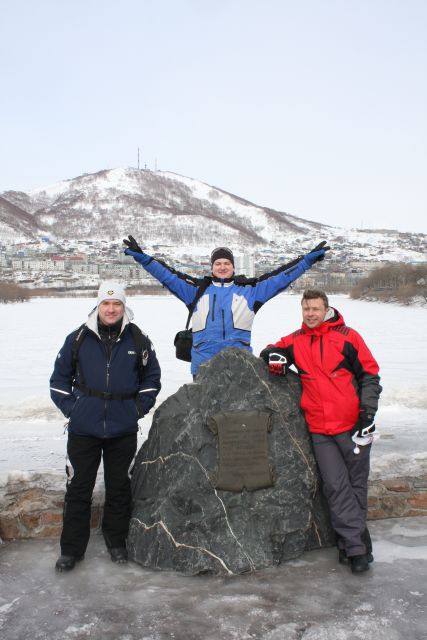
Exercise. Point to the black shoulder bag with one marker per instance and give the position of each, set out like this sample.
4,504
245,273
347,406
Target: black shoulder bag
183,341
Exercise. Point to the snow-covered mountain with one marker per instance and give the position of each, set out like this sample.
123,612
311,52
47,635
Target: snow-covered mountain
165,208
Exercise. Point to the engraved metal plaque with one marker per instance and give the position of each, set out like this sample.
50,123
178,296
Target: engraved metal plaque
243,460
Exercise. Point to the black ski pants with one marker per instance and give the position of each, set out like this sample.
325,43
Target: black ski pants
84,454
345,485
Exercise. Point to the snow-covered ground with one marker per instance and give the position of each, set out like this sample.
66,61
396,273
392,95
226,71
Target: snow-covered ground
31,428
311,598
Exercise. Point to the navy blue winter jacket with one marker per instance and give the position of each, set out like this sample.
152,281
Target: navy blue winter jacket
96,416
224,315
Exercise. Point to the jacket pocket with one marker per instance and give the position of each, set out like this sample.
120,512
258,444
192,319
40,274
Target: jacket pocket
123,414
86,412
73,407
140,413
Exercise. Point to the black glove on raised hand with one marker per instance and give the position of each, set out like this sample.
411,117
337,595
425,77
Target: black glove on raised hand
365,426
320,250
132,244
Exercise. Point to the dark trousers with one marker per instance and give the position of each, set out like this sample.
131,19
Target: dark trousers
345,485
84,454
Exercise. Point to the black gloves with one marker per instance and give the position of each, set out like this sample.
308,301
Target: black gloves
318,253
276,360
365,426
132,244
277,364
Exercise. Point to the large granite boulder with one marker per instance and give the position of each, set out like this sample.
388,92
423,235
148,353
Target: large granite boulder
181,520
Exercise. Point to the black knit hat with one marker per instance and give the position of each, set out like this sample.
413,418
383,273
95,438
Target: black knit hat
222,252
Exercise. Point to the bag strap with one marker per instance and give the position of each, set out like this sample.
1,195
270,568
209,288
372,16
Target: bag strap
78,339
207,280
104,395
142,344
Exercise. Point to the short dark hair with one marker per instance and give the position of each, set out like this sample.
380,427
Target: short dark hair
312,294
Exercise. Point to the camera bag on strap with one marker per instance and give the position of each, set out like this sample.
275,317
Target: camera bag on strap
183,341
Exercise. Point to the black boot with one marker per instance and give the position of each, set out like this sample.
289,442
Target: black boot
66,563
366,539
119,555
343,558
359,563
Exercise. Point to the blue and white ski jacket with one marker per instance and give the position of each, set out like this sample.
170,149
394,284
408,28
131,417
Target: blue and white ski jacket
224,314
118,374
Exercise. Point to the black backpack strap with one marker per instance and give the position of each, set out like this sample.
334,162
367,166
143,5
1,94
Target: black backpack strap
78,339
207,280
143,346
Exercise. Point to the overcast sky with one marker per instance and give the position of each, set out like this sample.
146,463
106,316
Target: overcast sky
313,107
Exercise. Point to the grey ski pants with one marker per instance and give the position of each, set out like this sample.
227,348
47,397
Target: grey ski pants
345,485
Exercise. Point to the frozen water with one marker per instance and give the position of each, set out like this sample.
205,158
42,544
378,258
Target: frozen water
32,429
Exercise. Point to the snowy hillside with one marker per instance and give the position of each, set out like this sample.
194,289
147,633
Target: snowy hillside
164,208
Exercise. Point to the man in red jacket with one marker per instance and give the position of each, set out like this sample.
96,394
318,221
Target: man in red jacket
340,392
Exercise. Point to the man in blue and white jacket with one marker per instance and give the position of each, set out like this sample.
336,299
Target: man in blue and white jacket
224,314
105,378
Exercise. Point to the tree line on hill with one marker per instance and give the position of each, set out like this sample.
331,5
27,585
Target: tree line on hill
11,292
397,282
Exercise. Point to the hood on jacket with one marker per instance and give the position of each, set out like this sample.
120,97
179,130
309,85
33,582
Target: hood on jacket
333,318
92,320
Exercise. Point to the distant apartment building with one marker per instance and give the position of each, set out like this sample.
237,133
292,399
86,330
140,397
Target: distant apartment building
244,264
123,272
85,268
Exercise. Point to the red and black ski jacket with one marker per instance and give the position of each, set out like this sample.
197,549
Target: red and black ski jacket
338,373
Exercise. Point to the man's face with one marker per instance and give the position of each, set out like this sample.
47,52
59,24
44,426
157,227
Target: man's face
111,311
313,312
222,268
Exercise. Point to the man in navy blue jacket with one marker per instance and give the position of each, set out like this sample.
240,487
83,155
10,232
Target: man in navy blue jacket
224,314
106,378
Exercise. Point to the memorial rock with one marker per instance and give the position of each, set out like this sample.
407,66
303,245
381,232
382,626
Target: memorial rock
226,481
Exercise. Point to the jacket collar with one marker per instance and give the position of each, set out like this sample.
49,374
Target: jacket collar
92,321
333,319
222,281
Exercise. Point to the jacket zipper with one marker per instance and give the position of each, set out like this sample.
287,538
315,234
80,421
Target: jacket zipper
109,356
223,325
105,401
213,307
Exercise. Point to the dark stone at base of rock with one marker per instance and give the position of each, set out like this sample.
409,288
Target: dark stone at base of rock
181,522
